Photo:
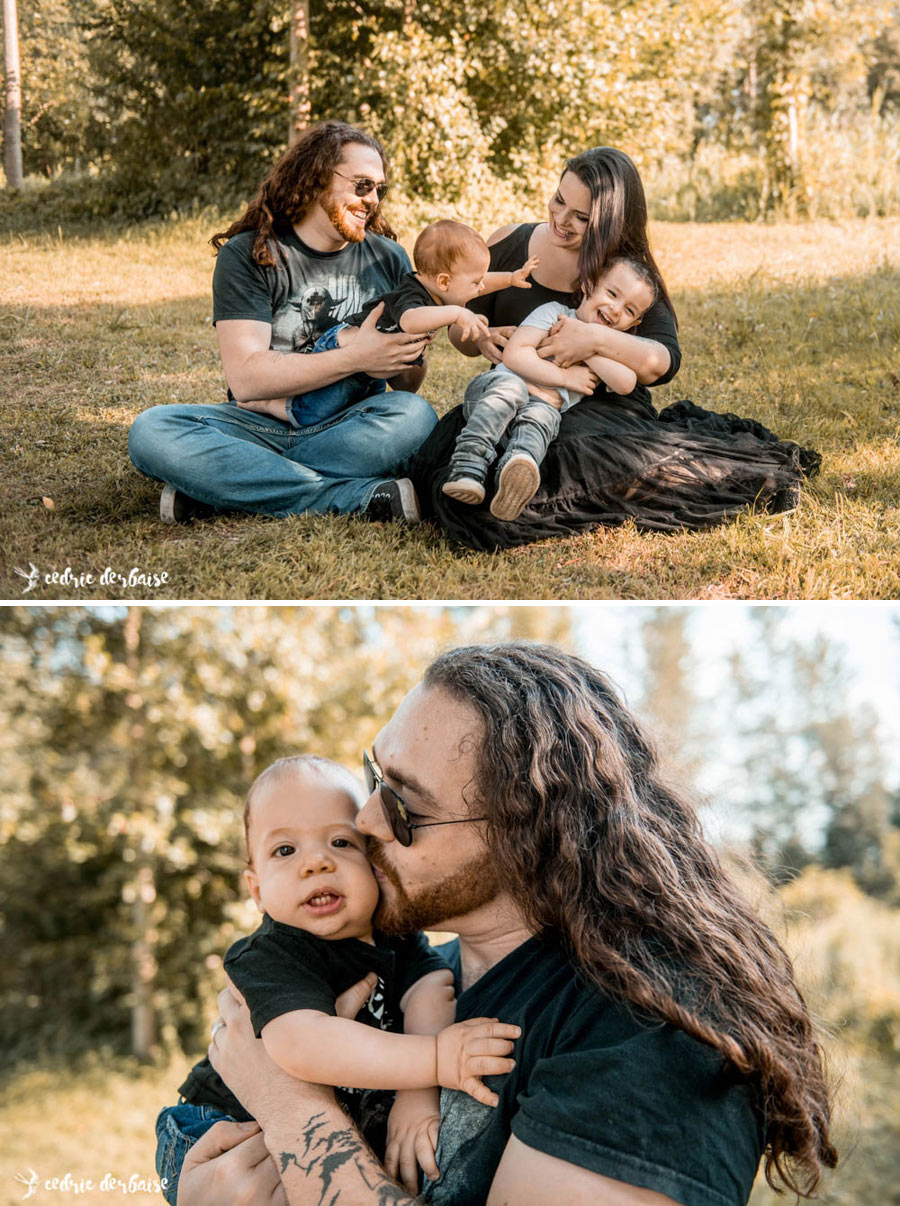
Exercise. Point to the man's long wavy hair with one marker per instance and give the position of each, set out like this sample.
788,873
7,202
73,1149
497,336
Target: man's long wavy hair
302,175
617,225
594,847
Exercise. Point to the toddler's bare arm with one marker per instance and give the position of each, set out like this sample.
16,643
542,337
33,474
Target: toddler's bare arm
335,1051
414,1121
510,280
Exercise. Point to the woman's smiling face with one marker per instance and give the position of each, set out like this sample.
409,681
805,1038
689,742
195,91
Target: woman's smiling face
570,211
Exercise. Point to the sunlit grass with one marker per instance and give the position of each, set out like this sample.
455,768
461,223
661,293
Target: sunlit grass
794,325
88,1122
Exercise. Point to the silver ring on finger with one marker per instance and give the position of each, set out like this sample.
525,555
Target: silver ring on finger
218,1024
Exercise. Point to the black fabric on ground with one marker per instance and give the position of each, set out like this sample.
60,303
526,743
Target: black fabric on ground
686,468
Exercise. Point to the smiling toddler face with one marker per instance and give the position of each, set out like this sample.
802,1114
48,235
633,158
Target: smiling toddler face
308,865
620,298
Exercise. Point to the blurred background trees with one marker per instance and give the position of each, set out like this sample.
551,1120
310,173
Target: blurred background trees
731,107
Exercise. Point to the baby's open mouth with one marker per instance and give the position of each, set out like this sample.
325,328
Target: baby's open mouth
323,901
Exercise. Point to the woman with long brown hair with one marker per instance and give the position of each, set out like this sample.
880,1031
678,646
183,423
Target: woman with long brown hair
615,458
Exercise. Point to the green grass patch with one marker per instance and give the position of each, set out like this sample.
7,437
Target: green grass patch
794,325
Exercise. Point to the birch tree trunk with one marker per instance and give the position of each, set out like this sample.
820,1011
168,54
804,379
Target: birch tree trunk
12,124
299,70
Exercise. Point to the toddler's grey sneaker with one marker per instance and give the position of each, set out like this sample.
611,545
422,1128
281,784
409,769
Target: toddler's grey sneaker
394,499
517,484
464,488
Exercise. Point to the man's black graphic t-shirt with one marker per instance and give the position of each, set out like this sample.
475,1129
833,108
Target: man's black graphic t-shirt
309,291
279,968
637,1101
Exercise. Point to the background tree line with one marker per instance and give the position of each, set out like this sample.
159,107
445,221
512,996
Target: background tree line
732,107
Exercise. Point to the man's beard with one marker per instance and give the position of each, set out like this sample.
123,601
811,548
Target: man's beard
471,886
345,226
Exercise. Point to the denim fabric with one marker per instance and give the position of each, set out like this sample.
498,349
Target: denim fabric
235,459
306,410
495,403
177,1130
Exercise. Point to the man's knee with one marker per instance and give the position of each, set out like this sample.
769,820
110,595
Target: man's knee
415,417
146,439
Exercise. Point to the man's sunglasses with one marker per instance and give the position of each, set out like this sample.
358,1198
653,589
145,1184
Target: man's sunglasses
363,185
394,806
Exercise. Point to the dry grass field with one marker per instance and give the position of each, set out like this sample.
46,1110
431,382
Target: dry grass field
797,326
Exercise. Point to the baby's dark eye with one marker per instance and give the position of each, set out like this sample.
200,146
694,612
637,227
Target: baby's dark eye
283,851
340,843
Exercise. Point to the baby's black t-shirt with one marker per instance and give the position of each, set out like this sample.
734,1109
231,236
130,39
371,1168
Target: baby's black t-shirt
280,968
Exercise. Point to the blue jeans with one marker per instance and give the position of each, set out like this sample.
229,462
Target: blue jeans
234,459
306,410
496,402
177,1130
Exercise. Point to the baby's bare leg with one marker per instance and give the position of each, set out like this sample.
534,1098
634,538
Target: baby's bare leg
276,407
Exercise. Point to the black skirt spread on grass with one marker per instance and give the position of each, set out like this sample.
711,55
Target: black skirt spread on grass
685,468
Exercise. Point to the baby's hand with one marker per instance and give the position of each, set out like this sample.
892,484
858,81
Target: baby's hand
519,278
469,1050
473,326
412,1134
580,379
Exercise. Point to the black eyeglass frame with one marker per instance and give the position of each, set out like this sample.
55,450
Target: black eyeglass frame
365,185
394,806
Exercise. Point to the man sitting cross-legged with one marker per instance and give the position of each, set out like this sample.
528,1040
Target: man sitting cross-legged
311,248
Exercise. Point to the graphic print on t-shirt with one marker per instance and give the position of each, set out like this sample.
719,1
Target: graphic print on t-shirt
301,319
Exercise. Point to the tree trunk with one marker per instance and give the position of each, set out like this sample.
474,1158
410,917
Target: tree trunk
143,889
12,125
299,70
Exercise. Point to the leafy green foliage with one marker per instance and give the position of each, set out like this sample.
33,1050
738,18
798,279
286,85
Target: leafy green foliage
176,104
129,742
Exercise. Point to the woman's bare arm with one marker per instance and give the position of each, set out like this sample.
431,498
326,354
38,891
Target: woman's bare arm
572,341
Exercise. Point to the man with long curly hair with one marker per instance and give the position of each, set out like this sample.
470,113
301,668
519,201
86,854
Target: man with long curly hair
312,248
665,1047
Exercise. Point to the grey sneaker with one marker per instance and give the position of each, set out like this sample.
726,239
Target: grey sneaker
465,488
517,484
175,507
395,499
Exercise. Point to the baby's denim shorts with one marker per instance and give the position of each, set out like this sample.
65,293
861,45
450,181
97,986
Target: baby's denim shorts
177,1130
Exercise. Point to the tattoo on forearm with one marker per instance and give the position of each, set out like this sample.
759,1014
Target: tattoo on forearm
326,1152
